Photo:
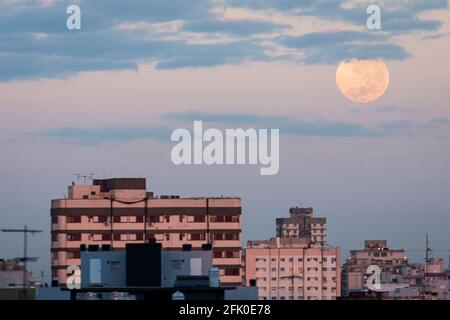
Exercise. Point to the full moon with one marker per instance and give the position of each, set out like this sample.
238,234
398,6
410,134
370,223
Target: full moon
362,81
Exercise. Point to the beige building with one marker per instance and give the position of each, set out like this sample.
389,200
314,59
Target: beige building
113,212
288,269
302,224
375,252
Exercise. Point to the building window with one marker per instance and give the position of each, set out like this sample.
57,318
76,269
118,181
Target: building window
116,219
73,219
218,254
116,236
153,219
139,219
231,236
167,236
73,255
217,236
139,236
199,218
106,237
54,219
217,218
167,219
54,237
132,219
103,219
197,236
74,237
232,272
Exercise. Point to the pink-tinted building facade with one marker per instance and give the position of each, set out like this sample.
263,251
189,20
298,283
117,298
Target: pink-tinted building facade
289,269
296,264
118,211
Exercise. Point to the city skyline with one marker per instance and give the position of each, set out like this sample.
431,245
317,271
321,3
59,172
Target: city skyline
104,99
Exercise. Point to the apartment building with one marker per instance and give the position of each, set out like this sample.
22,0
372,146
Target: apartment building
289,269
392,263
114,212
302,224
430,278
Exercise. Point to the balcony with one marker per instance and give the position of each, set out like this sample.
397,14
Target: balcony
226,243
225,226
227,261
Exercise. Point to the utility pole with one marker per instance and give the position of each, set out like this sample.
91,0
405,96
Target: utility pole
25,257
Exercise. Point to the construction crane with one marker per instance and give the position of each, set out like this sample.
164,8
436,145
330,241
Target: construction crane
25,258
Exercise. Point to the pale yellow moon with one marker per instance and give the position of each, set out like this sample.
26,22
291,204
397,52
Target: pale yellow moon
362,81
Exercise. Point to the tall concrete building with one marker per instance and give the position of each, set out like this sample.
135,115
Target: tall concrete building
302,224
288,269
114,212
391,262
297,264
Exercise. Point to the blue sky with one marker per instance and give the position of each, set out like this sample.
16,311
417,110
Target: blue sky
104,99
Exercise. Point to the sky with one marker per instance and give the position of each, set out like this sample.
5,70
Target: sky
105,99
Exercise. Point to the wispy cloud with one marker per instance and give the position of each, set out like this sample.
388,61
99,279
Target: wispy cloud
98,135
332,47
226,118
287,125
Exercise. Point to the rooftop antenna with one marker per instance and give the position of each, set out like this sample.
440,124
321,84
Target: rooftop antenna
25,258
428,250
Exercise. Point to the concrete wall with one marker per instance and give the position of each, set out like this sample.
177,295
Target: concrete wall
113,268
175,263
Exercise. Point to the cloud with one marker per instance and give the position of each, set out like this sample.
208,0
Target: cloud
241,27
287,125
332,47
35,43
436,36
396,15
292,126
63,55
226,118
97,135
394,109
